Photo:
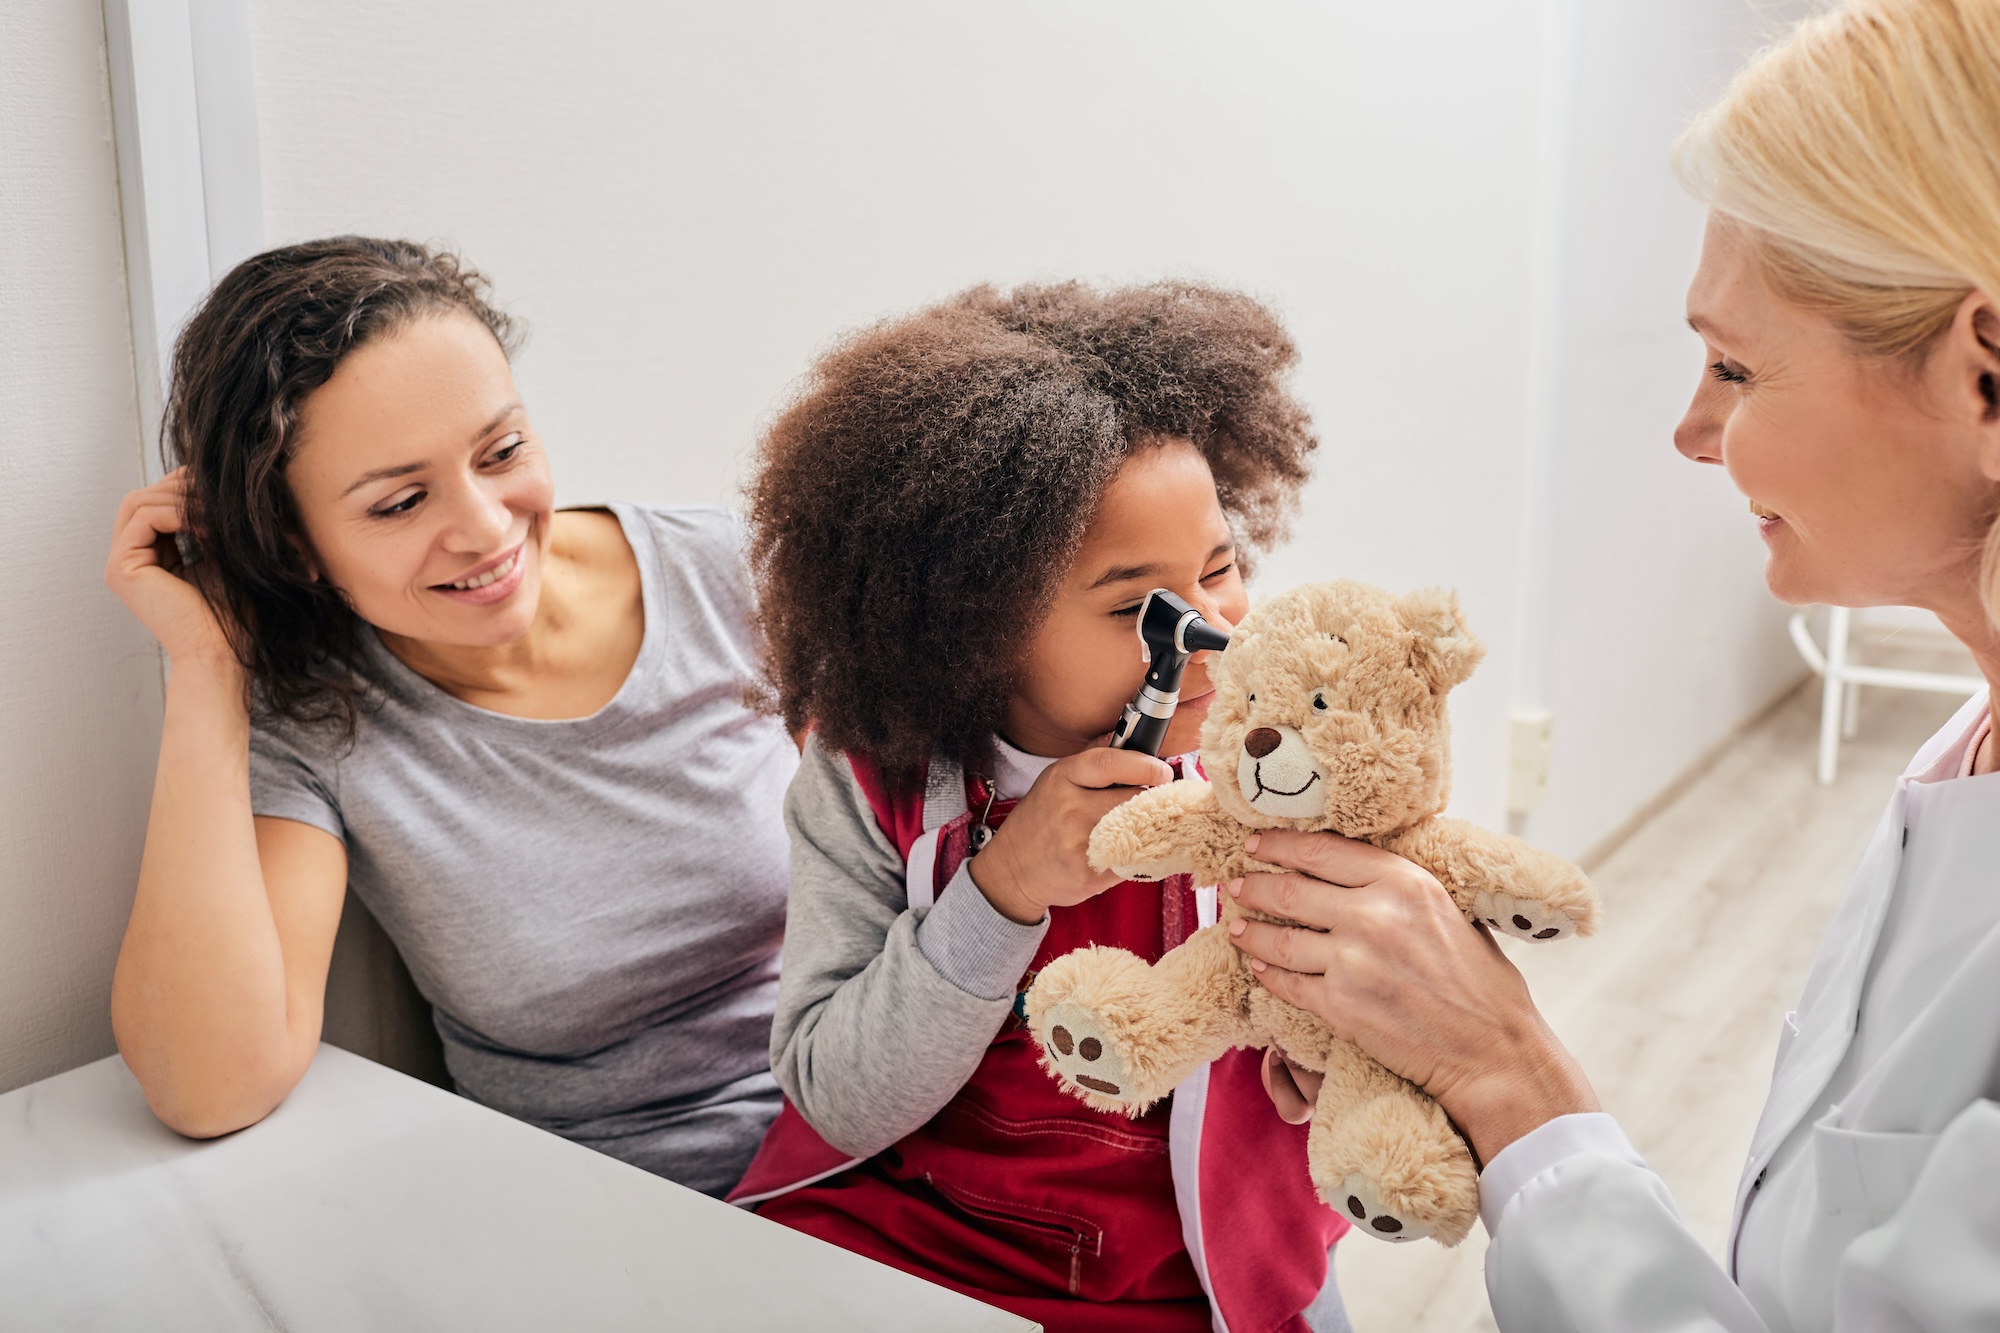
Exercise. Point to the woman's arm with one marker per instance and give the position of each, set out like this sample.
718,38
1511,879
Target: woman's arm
217,996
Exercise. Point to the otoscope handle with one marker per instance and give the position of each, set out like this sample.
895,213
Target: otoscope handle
1140,731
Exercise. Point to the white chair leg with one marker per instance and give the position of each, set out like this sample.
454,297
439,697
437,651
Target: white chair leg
1833,694
1850,717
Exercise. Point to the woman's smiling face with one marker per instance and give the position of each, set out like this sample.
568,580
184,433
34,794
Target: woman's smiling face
1865,475
422,489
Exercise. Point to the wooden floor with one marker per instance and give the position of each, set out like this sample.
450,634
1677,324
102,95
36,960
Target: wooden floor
1713,912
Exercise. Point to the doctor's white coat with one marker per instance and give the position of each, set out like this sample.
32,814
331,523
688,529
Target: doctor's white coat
1889,1213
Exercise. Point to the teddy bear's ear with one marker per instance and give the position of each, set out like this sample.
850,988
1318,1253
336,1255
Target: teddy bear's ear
1445,651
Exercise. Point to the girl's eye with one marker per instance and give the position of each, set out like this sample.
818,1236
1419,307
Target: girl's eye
1319,700
1128,611
1212,575
507,450
1728,374
402,506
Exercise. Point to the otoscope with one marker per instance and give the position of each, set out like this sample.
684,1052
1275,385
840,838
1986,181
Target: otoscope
1170,631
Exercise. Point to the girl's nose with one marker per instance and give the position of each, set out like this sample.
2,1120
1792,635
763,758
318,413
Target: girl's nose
1211,609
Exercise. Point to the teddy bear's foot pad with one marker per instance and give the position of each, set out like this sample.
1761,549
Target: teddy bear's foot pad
1081,1049
1523,918
1357,1196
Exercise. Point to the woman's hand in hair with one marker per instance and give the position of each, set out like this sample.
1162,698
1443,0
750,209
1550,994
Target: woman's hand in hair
145,569
1038,858
1384,955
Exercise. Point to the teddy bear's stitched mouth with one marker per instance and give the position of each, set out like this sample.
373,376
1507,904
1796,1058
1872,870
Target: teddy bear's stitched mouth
1263,790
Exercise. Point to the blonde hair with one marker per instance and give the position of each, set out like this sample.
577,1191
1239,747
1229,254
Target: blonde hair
1864,154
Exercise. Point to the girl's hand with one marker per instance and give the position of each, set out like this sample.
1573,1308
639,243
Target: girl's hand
145,570
1038,858
1293,1089
1390,963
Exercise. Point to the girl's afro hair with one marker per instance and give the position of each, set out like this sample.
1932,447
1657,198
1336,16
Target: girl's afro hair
917,505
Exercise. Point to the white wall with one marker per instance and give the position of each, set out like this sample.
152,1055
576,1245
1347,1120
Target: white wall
1461,209
1659,633
79,681
685,201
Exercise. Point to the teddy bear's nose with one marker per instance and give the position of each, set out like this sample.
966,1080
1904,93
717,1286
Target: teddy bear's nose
1262,741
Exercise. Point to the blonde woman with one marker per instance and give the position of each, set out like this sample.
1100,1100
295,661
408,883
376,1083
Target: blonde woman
1849,301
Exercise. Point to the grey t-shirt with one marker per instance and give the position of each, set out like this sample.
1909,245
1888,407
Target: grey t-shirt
593,907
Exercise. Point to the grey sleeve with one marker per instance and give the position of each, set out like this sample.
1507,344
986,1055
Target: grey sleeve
286,779
882,1014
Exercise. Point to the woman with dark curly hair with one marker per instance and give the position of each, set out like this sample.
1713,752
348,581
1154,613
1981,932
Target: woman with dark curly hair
953,528
517,732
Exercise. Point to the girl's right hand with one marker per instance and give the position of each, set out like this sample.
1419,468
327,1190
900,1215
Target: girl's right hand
1038,858
145,570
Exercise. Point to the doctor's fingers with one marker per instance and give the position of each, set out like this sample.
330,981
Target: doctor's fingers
1312,993
1308,952
1301,898
1371,910
1337,860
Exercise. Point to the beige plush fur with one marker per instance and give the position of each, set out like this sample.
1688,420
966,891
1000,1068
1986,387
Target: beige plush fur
1329,713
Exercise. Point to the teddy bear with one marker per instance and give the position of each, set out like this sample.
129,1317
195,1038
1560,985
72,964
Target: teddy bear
1329,713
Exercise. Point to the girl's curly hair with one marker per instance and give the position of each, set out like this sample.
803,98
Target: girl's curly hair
917,505
274,329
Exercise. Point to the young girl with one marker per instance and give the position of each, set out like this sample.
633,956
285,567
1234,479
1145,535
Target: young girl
954,527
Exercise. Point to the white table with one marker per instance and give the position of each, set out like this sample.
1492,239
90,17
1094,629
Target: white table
372,1201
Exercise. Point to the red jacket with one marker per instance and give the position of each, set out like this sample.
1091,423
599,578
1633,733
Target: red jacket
1197,1214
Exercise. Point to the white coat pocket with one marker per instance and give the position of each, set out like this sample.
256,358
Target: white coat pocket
1865,1175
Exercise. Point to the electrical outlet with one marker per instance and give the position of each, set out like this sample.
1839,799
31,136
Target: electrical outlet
1528,760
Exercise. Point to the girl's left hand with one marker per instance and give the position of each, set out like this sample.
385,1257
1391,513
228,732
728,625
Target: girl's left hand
1293,1090
1385,957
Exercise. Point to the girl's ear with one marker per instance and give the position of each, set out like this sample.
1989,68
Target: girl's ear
1444,652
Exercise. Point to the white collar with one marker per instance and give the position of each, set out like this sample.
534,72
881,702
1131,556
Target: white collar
1015,770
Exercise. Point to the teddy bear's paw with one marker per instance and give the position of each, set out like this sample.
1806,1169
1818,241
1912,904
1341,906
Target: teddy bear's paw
1124,852
1523,918
1080,1048
1357,1196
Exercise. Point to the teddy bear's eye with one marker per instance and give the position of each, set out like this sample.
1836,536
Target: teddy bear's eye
1319,702
1252,699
